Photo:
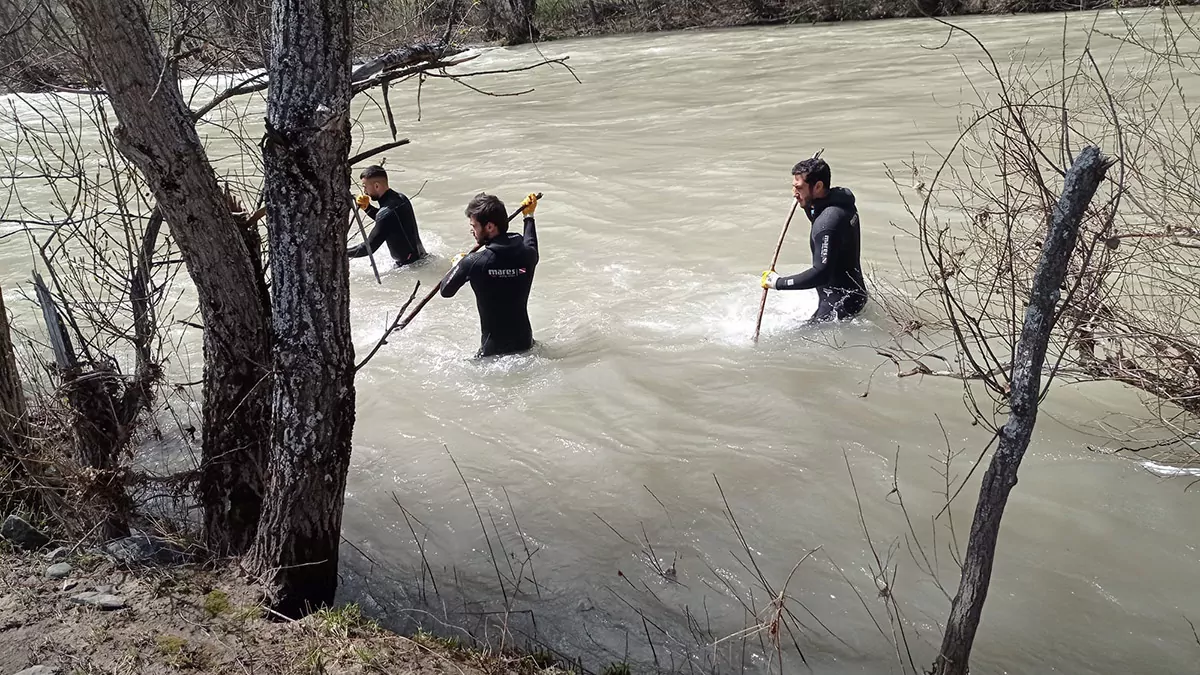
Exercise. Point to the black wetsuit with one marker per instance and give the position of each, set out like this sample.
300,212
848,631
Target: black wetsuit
836,272
396,224
501,274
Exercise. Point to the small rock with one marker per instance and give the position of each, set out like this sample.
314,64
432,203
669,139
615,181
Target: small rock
69,584
21,533
103,588
57,554
101,600
585,605
58,570
38,670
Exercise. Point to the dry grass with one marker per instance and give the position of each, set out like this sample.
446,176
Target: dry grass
206,621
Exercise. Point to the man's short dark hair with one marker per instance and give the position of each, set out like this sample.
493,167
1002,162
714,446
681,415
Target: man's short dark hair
813,169
485,208
373,171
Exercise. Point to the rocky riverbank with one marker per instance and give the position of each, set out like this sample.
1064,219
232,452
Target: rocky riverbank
137,605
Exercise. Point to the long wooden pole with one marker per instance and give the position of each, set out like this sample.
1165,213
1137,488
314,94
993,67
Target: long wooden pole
762,306
438,287
363,232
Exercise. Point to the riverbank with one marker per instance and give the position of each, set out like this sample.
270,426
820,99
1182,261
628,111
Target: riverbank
390,24
573,18
69,613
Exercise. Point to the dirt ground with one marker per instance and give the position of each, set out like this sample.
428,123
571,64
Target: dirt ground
183,619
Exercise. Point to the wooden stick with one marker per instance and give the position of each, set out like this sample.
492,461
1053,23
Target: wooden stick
363,231
762,306
438,287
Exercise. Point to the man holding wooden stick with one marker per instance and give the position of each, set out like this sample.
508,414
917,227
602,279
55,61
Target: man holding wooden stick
395,222
836,272
501,274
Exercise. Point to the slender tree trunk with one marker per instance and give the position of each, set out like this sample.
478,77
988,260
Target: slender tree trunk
13,430
1080,185
305,154
157,133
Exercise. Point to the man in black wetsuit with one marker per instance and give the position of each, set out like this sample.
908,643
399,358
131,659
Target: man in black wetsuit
501,274
395,222
836,272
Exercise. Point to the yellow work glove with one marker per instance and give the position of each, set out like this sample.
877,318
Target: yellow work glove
363,201
529,205
769,278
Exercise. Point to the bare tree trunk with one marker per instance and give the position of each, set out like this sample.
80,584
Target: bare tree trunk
306,158
12,396
157,133
1080,185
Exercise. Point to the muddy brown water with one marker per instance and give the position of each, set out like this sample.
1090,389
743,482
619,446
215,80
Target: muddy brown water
665,173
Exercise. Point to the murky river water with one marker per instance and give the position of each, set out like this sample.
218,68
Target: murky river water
666,181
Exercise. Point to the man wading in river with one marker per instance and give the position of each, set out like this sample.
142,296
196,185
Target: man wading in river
395,222
836,272
501,274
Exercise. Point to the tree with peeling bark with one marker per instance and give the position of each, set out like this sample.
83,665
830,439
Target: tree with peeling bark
305,151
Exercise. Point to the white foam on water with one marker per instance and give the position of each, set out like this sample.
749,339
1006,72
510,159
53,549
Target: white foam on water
1166,471
725,314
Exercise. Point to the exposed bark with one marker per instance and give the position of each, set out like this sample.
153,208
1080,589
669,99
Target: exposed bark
157,133
305,157
12,397
1080,185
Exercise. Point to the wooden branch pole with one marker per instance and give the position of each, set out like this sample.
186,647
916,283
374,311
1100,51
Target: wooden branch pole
762,305
438,287
1079,187
363,232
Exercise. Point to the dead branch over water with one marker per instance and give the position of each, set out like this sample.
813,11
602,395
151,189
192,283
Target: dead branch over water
1130,308
1042,260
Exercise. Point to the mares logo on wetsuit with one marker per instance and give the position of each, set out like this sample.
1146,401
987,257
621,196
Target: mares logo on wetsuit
506,273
